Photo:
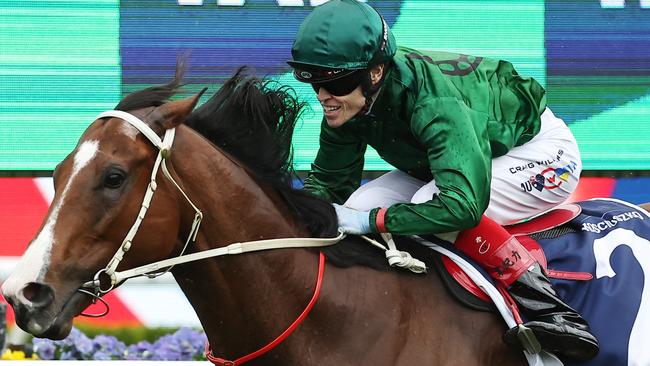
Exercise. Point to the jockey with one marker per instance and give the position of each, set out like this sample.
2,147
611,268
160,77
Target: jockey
472,141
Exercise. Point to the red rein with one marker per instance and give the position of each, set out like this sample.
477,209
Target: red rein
319,283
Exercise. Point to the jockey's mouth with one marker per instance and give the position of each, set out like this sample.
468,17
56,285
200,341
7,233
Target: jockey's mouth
328,108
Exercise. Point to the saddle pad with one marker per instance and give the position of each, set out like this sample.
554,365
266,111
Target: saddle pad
610,240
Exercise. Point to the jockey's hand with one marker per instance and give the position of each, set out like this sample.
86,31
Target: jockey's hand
352,221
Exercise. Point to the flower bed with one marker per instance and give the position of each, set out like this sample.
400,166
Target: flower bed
185,344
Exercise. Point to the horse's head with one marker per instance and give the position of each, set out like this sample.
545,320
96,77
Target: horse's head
99,190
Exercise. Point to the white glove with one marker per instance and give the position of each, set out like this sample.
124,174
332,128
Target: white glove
352,221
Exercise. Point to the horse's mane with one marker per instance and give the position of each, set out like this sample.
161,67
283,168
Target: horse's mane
253,121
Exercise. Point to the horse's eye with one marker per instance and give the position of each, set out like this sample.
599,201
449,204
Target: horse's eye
114,179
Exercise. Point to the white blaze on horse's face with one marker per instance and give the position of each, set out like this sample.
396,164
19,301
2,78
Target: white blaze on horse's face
34,263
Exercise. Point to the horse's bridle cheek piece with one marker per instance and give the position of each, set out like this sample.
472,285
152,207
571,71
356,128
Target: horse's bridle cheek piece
164,152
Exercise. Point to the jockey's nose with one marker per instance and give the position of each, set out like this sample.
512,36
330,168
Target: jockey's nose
38,295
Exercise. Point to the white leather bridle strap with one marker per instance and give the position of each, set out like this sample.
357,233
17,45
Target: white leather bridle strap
164,152
142,127
232,249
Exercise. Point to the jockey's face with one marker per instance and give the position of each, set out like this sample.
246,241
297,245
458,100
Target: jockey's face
338,110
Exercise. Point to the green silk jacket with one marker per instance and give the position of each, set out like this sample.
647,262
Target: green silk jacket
439,116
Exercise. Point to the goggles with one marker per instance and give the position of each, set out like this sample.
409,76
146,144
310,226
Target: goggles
341,86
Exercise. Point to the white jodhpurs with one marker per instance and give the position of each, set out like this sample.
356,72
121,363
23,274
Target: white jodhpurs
528,180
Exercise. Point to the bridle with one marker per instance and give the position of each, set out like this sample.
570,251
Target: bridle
112,276
164,152
158,268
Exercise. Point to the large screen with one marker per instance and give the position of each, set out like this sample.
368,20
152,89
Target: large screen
63,62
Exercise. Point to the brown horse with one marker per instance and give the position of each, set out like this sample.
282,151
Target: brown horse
237,171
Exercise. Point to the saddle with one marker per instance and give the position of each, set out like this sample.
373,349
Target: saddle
458,281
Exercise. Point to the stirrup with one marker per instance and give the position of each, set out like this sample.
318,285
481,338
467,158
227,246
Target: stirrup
527,339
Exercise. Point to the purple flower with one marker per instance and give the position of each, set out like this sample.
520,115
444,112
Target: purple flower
84,345
184,345
76,346
191,339
140,351
108,345
166,348
75,336
44,348
189,342
68,355
101,356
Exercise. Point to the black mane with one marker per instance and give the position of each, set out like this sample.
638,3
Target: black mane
252,120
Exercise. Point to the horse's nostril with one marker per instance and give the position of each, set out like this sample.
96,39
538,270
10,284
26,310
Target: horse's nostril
40,295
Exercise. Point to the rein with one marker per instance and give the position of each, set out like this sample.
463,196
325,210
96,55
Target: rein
94,288
319,283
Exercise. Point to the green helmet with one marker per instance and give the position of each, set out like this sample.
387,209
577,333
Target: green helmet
342,36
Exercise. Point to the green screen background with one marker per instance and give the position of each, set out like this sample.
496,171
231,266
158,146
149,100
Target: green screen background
60,67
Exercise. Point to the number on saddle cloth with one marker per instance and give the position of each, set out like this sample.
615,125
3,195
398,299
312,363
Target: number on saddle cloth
611,240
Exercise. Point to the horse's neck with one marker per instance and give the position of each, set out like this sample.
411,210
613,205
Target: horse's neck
247,300
234,292
234,205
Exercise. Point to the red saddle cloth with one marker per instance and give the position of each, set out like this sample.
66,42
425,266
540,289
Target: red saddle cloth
545,221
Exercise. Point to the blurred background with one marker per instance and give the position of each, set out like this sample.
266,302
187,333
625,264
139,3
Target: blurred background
63,62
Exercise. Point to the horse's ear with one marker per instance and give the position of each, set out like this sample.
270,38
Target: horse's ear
172,114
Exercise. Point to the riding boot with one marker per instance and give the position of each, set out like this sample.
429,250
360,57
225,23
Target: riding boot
557,327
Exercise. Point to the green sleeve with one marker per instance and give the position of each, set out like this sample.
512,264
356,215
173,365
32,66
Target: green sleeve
458,150
338,167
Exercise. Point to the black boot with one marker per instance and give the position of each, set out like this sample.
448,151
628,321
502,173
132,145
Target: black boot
558,327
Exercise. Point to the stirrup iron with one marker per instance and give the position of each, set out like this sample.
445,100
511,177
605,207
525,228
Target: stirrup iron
528,340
